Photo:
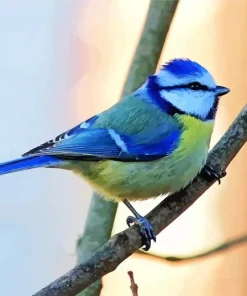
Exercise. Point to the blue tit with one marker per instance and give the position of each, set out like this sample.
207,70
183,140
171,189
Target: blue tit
154,141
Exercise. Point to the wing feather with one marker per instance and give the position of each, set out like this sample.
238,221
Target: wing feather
102,143
65,135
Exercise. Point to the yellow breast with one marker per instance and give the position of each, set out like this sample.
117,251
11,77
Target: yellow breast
191,155
196,132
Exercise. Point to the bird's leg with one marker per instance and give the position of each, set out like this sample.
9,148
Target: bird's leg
209,174
147,230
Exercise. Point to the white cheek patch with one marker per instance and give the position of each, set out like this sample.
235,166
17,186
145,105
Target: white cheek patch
189,101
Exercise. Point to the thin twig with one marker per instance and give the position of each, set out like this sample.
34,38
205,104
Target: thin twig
133,285
222,247
122,245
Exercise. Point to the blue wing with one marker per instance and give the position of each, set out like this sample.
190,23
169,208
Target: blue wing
101,143
70,133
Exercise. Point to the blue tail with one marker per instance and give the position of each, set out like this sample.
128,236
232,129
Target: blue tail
29,162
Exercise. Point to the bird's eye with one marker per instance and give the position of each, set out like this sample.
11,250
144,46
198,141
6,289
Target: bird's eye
197,86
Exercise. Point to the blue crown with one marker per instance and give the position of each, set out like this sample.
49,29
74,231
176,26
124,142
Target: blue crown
181,67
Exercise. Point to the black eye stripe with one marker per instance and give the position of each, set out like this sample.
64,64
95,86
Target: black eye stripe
193,86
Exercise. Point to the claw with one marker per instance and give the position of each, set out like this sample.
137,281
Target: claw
147,230
210,174
130,220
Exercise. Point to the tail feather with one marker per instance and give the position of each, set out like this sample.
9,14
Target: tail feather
26,163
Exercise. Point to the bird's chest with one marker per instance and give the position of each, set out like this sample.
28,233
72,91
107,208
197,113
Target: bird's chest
191,154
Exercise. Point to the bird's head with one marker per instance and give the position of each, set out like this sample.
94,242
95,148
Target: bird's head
184,86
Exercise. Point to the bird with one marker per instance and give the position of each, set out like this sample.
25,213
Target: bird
153,142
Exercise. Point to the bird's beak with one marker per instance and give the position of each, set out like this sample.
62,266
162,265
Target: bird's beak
221,90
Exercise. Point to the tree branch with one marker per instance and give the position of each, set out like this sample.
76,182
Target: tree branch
124,244
222,247
133,285
151,43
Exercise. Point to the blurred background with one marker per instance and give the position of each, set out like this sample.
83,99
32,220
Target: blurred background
63,61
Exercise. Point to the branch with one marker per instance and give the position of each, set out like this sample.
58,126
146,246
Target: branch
151,43
97,231
124,244
133,285
222,247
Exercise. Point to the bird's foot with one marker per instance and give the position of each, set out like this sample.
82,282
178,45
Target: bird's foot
209,174
147,230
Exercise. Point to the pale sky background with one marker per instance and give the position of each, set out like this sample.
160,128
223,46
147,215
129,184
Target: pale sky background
40,210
